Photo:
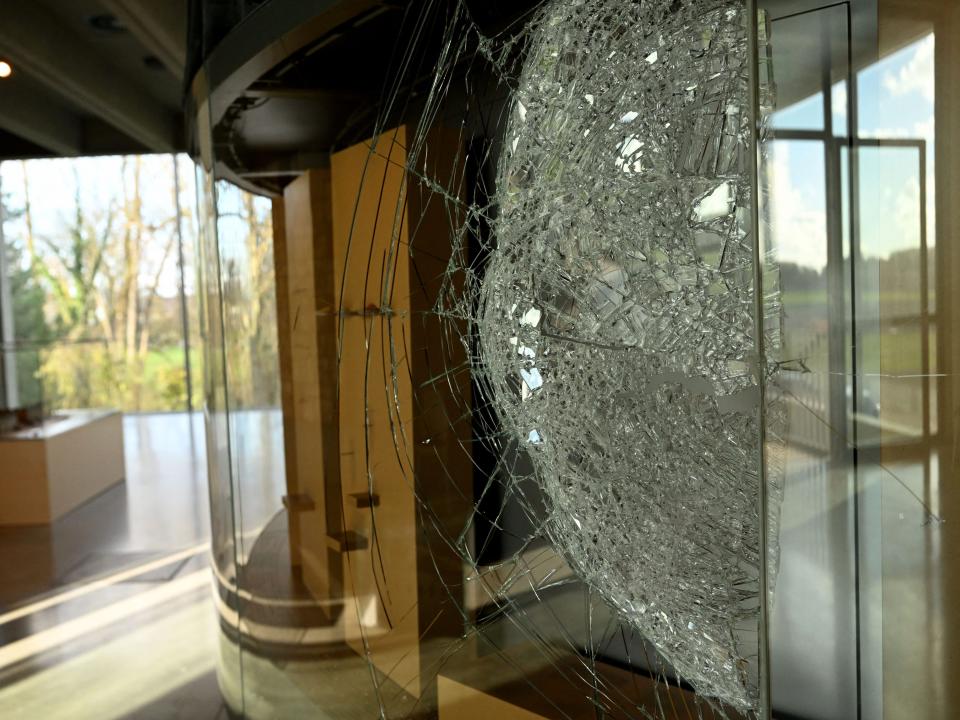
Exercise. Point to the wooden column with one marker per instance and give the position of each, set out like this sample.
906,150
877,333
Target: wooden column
368,433
310,408
376,410
285,363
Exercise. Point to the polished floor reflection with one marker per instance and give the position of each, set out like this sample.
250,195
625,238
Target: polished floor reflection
107,612
160,508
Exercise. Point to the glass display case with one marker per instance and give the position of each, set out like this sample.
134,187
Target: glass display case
581,359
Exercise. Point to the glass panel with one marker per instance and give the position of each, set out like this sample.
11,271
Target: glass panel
806,114
245,241
442,548
801,53
440,295
448,539
839,106
264,571
805,175
909,171
892,400
223,516
889,355
814,607
188,277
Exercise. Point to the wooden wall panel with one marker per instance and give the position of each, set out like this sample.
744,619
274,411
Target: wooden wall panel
362,416
285,363
311,328
376,417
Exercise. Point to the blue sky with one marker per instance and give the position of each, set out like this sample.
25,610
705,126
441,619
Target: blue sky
896,100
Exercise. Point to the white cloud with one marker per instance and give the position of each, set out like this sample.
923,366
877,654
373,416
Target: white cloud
838,100
888,133
798,228
917,75
925,129
906,215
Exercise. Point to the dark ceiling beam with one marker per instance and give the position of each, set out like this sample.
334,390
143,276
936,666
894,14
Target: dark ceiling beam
34,39
159,26
39,120
284,93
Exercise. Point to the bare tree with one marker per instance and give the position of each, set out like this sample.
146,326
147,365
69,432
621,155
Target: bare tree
102,287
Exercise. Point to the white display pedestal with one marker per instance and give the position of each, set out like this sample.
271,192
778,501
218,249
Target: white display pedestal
47,471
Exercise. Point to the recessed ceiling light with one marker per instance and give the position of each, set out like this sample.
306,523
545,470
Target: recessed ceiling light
6,69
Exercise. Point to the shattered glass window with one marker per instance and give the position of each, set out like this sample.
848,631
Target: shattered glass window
532,440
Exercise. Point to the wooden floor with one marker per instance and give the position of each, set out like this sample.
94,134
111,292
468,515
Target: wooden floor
107,613
161,507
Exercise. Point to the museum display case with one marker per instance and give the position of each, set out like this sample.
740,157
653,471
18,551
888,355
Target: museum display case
616,354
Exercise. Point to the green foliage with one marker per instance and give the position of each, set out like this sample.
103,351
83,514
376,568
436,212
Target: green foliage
172,384
249,300
93,376
31,329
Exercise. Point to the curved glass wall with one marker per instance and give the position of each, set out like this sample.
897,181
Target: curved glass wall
579,371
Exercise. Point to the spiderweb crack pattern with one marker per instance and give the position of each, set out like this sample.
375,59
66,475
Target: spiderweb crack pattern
603,287
618,314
